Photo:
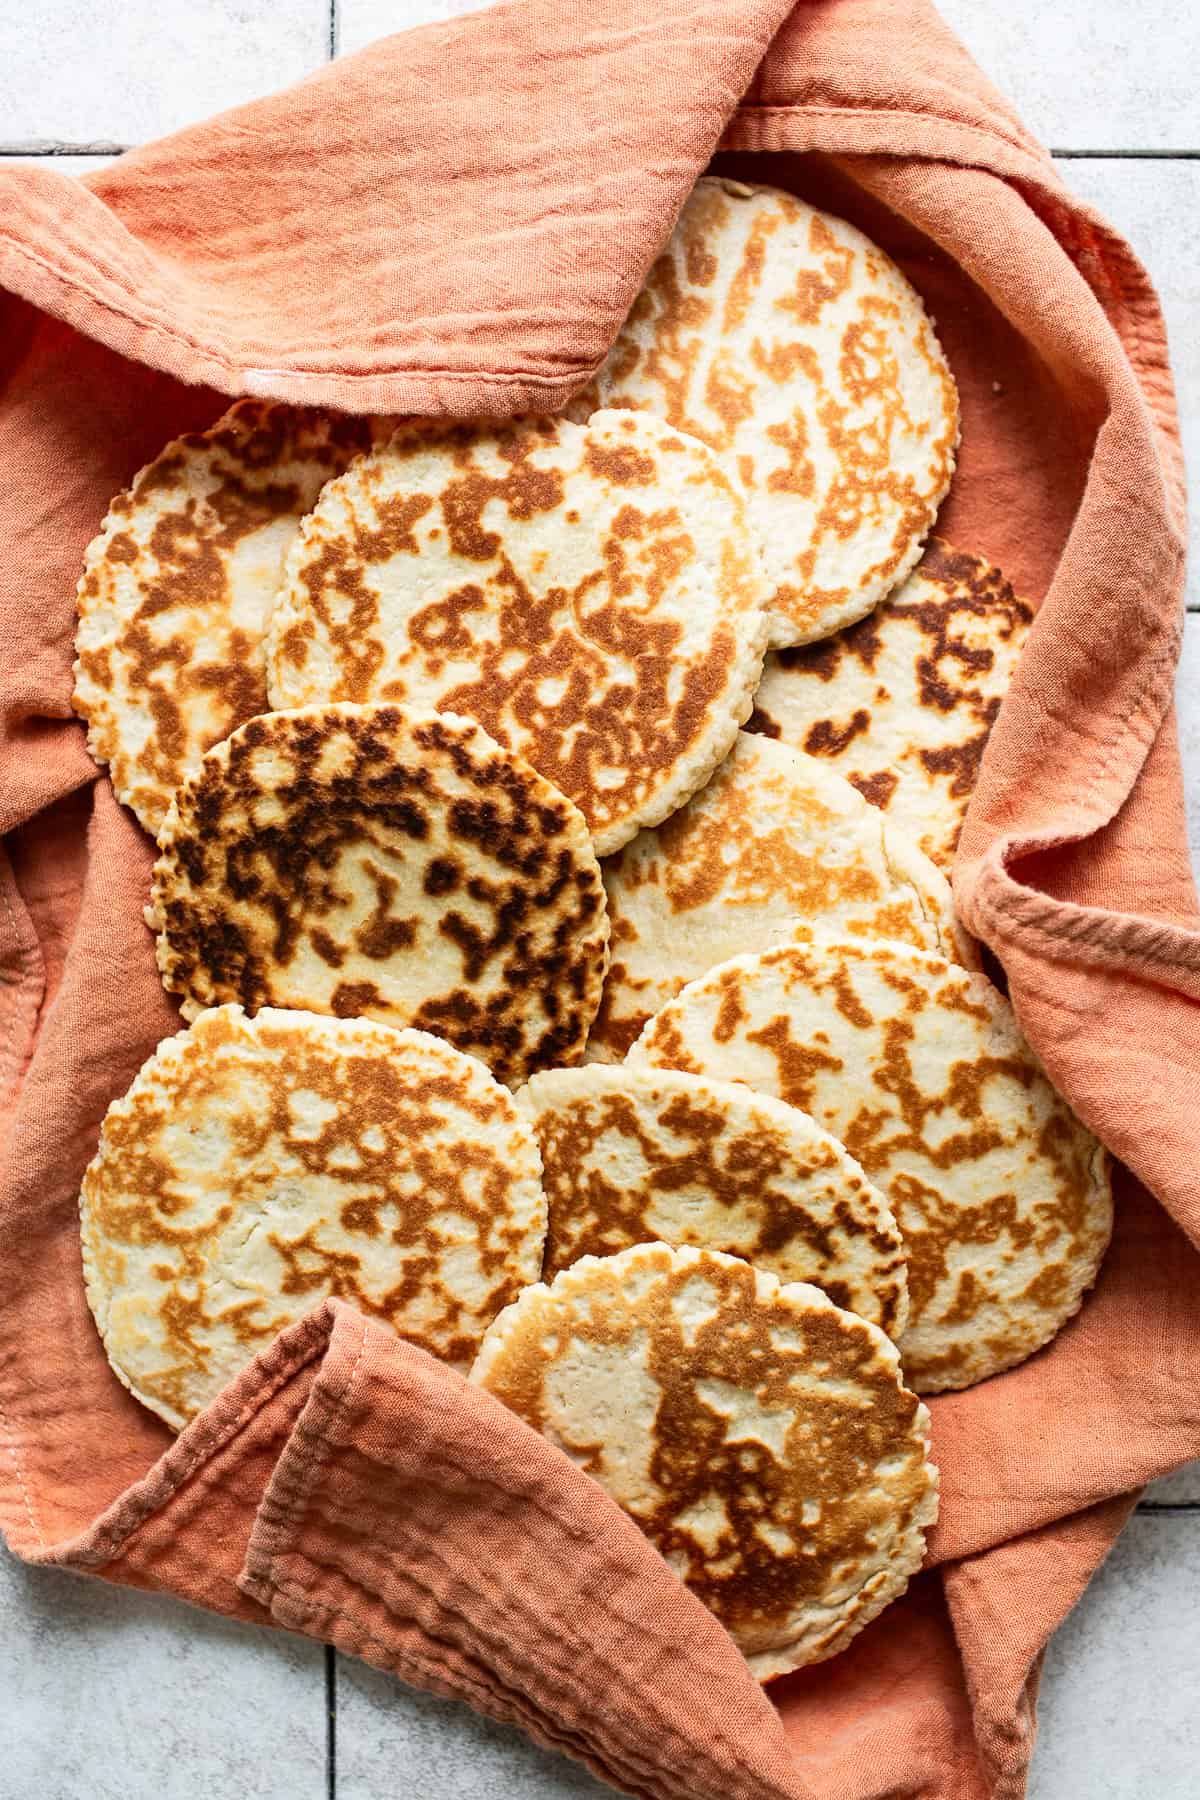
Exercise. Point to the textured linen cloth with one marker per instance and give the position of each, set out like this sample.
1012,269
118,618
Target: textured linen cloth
456,221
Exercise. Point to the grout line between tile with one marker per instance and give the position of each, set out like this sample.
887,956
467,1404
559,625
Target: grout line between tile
333,29
1168,1506
331,1680
1128,155
101,147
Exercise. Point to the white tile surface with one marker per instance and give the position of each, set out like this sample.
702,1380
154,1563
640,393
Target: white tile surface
120,71
1091,74
106,1694
1118,1714
392,1740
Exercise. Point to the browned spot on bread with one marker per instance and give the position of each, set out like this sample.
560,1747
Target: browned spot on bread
943,646
383,863
919,1069
797,474
812,290
344,1161
730,1012
761,725
763,1488
621,464
630,1156
355,999
172,603
877,788
798,1064
827,739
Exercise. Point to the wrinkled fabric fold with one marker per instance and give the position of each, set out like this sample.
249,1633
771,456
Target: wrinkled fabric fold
456,221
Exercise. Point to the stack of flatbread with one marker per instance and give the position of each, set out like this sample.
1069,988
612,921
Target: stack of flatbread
554,820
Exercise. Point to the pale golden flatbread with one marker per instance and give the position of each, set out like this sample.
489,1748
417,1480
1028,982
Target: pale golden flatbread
792,345
630,1155
258,1166
761,1437
775,849
374,861
175,590
591,594
902,703
1003,1198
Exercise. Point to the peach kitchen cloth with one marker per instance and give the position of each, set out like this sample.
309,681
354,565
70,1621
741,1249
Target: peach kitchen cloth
455,222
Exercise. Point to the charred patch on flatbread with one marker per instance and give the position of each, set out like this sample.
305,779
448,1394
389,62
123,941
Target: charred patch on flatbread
919,1069
257,1166
175,590
617,655
360,839
779,1504
903,702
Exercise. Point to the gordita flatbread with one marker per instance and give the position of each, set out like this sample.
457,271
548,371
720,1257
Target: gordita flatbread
257,1166
762,1438
902,703
176,588
776,848
791,344
378,862
1002,1197
591,594
630,1155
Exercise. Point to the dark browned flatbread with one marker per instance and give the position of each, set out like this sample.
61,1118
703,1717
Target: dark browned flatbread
374,861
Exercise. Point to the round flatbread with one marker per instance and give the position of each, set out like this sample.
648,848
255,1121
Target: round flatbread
175,590
634,1154
792,345
760,1436
591,594
373,861
1003,1199
258,1166
902,703
775,849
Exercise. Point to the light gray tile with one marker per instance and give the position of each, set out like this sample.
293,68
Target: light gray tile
360,22
1183,1486
78,71
108,1694
1156,206
393,1740
1118,1704
1087,76
73,72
